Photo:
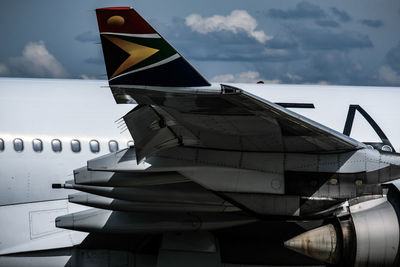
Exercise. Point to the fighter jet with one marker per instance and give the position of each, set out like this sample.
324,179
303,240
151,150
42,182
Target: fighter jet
216,174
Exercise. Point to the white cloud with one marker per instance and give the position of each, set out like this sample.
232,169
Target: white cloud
243,77
87,77
223,78
318,83
237,21
37,61
4,70
388,75
294,77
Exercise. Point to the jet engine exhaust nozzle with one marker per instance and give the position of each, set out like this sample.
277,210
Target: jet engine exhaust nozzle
369,235
319,243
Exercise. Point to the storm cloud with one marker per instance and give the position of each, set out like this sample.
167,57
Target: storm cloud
392,58
374,23
321,39
342,15
302,10
327,23
301,41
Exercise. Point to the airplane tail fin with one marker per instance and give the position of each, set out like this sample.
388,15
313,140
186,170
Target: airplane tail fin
135,54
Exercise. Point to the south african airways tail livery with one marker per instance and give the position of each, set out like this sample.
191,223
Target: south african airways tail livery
216,174
137,55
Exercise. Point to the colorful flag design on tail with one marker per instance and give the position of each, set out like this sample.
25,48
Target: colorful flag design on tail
135,54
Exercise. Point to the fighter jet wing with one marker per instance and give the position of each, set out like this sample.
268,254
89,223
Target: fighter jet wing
229,119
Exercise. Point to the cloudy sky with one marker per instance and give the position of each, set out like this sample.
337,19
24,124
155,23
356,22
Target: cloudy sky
332,41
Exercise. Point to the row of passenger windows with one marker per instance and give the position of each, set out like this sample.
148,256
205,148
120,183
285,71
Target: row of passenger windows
57,146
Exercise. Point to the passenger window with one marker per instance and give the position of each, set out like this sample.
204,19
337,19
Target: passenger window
1,144
113,146
56,145
18,144
75,146
94,146
37,145
130,143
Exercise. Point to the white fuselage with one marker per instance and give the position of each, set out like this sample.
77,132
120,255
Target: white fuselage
48,109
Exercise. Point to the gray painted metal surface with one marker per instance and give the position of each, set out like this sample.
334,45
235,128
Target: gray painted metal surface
377,233
123,205
236,120
85,177
105,221
189,193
